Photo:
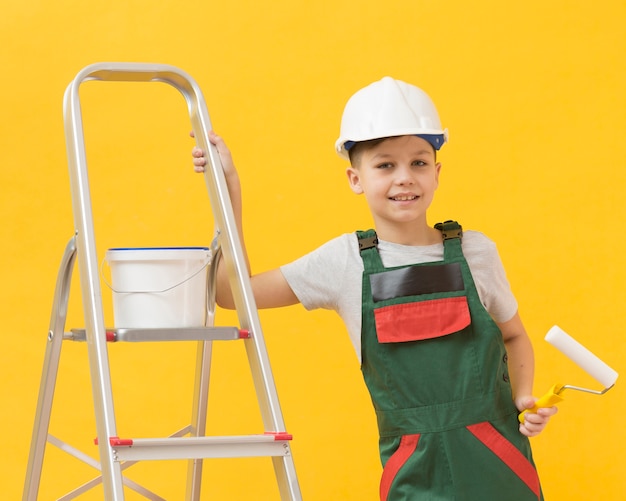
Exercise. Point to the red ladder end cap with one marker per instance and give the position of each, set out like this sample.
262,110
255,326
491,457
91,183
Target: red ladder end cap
117,441
280,435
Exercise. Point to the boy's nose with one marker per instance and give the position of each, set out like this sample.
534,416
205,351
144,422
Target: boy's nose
404,176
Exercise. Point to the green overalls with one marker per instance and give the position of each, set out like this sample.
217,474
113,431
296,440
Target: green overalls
436,368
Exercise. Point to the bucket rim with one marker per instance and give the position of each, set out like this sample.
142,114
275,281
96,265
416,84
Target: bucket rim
147,256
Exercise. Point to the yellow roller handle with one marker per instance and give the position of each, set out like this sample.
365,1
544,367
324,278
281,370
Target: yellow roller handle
548,400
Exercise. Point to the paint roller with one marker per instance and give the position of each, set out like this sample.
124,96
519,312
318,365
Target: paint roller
582,357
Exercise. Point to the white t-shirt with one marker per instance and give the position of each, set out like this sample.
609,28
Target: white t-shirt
330,277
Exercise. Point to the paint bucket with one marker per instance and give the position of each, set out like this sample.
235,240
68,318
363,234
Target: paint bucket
159,287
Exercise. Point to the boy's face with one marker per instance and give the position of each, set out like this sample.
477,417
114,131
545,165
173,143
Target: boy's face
398,177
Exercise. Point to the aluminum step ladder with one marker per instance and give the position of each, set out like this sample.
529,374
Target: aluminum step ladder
190,443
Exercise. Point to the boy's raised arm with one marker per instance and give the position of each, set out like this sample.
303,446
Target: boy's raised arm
270,288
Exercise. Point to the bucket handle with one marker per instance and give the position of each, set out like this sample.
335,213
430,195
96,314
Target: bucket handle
110,286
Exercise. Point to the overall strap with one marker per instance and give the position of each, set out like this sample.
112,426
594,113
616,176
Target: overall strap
452,233
368,241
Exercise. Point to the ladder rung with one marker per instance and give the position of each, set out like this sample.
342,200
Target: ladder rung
160,334
268,444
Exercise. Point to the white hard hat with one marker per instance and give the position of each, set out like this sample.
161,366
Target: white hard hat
389,108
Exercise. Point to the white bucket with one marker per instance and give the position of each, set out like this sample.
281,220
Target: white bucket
159,287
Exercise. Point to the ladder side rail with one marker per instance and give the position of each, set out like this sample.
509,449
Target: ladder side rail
239,277
243,296
91,290
286,476
49,373
201,383
237,269
199,416
203,358
245,304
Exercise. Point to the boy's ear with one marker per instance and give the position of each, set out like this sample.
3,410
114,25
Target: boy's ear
354,180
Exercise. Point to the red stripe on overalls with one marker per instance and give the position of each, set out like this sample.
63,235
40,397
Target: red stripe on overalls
508,453
408,444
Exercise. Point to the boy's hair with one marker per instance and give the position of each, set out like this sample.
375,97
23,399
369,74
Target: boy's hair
356,151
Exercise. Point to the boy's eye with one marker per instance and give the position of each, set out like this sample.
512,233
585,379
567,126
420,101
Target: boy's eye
419,163
385,165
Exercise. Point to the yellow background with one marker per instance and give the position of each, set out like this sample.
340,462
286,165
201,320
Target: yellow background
533,95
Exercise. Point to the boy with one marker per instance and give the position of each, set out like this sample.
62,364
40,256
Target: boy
429,311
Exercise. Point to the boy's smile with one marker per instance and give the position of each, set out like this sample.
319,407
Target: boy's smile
404,198
398,177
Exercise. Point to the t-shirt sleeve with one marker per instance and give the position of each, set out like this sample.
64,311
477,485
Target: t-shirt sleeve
318,278
491,280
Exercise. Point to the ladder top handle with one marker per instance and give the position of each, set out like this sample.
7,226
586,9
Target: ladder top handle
145,72
137,72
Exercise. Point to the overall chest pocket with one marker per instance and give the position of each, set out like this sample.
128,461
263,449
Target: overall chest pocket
419,302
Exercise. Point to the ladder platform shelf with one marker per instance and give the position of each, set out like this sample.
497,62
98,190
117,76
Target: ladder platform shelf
137,335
